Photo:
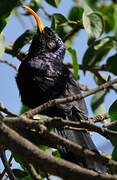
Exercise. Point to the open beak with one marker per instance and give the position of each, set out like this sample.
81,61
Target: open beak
39,23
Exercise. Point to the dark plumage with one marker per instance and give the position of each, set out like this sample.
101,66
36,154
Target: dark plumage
42,76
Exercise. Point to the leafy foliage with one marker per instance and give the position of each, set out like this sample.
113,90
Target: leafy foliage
54,3
35,5
19,173
97,103
112,64
97,51
75,61
113,111
93,24
5,10
113,117
24,39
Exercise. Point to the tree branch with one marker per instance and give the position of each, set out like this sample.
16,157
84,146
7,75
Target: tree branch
23,123
6,164
9,50
57,122
88,67
29,153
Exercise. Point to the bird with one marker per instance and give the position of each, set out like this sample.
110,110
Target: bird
42,76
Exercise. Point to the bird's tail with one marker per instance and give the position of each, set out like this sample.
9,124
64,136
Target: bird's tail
85,141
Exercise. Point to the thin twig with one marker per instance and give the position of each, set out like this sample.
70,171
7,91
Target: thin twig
6,164
32,171
97,74
83,87
99,77
99,118
88,67
110,124
46,12
4,171
47,176
75,129
6,111
75,30
8,63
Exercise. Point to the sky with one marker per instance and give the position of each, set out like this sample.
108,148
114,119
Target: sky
9,95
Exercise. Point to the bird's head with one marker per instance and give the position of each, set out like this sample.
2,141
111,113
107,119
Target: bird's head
46,42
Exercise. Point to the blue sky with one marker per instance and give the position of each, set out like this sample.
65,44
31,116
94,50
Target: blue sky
9,94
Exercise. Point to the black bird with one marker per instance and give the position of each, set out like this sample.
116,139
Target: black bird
42,76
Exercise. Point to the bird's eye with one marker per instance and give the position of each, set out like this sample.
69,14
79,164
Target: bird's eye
51,44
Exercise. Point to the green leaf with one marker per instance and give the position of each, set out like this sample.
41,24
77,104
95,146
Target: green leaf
19,173
35,5
108,16
54,3
57,20
28,178
18,161
3,21
114,153
97,103
5,10
98,81
97,51
115,19
75,13
112,64
7,6
113,111
22,40
75,61
2,44
41,176
56,153
59,25
44,148
113,116
93,4
23,109
93,24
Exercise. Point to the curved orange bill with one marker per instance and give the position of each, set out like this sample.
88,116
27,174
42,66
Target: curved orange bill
39,23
